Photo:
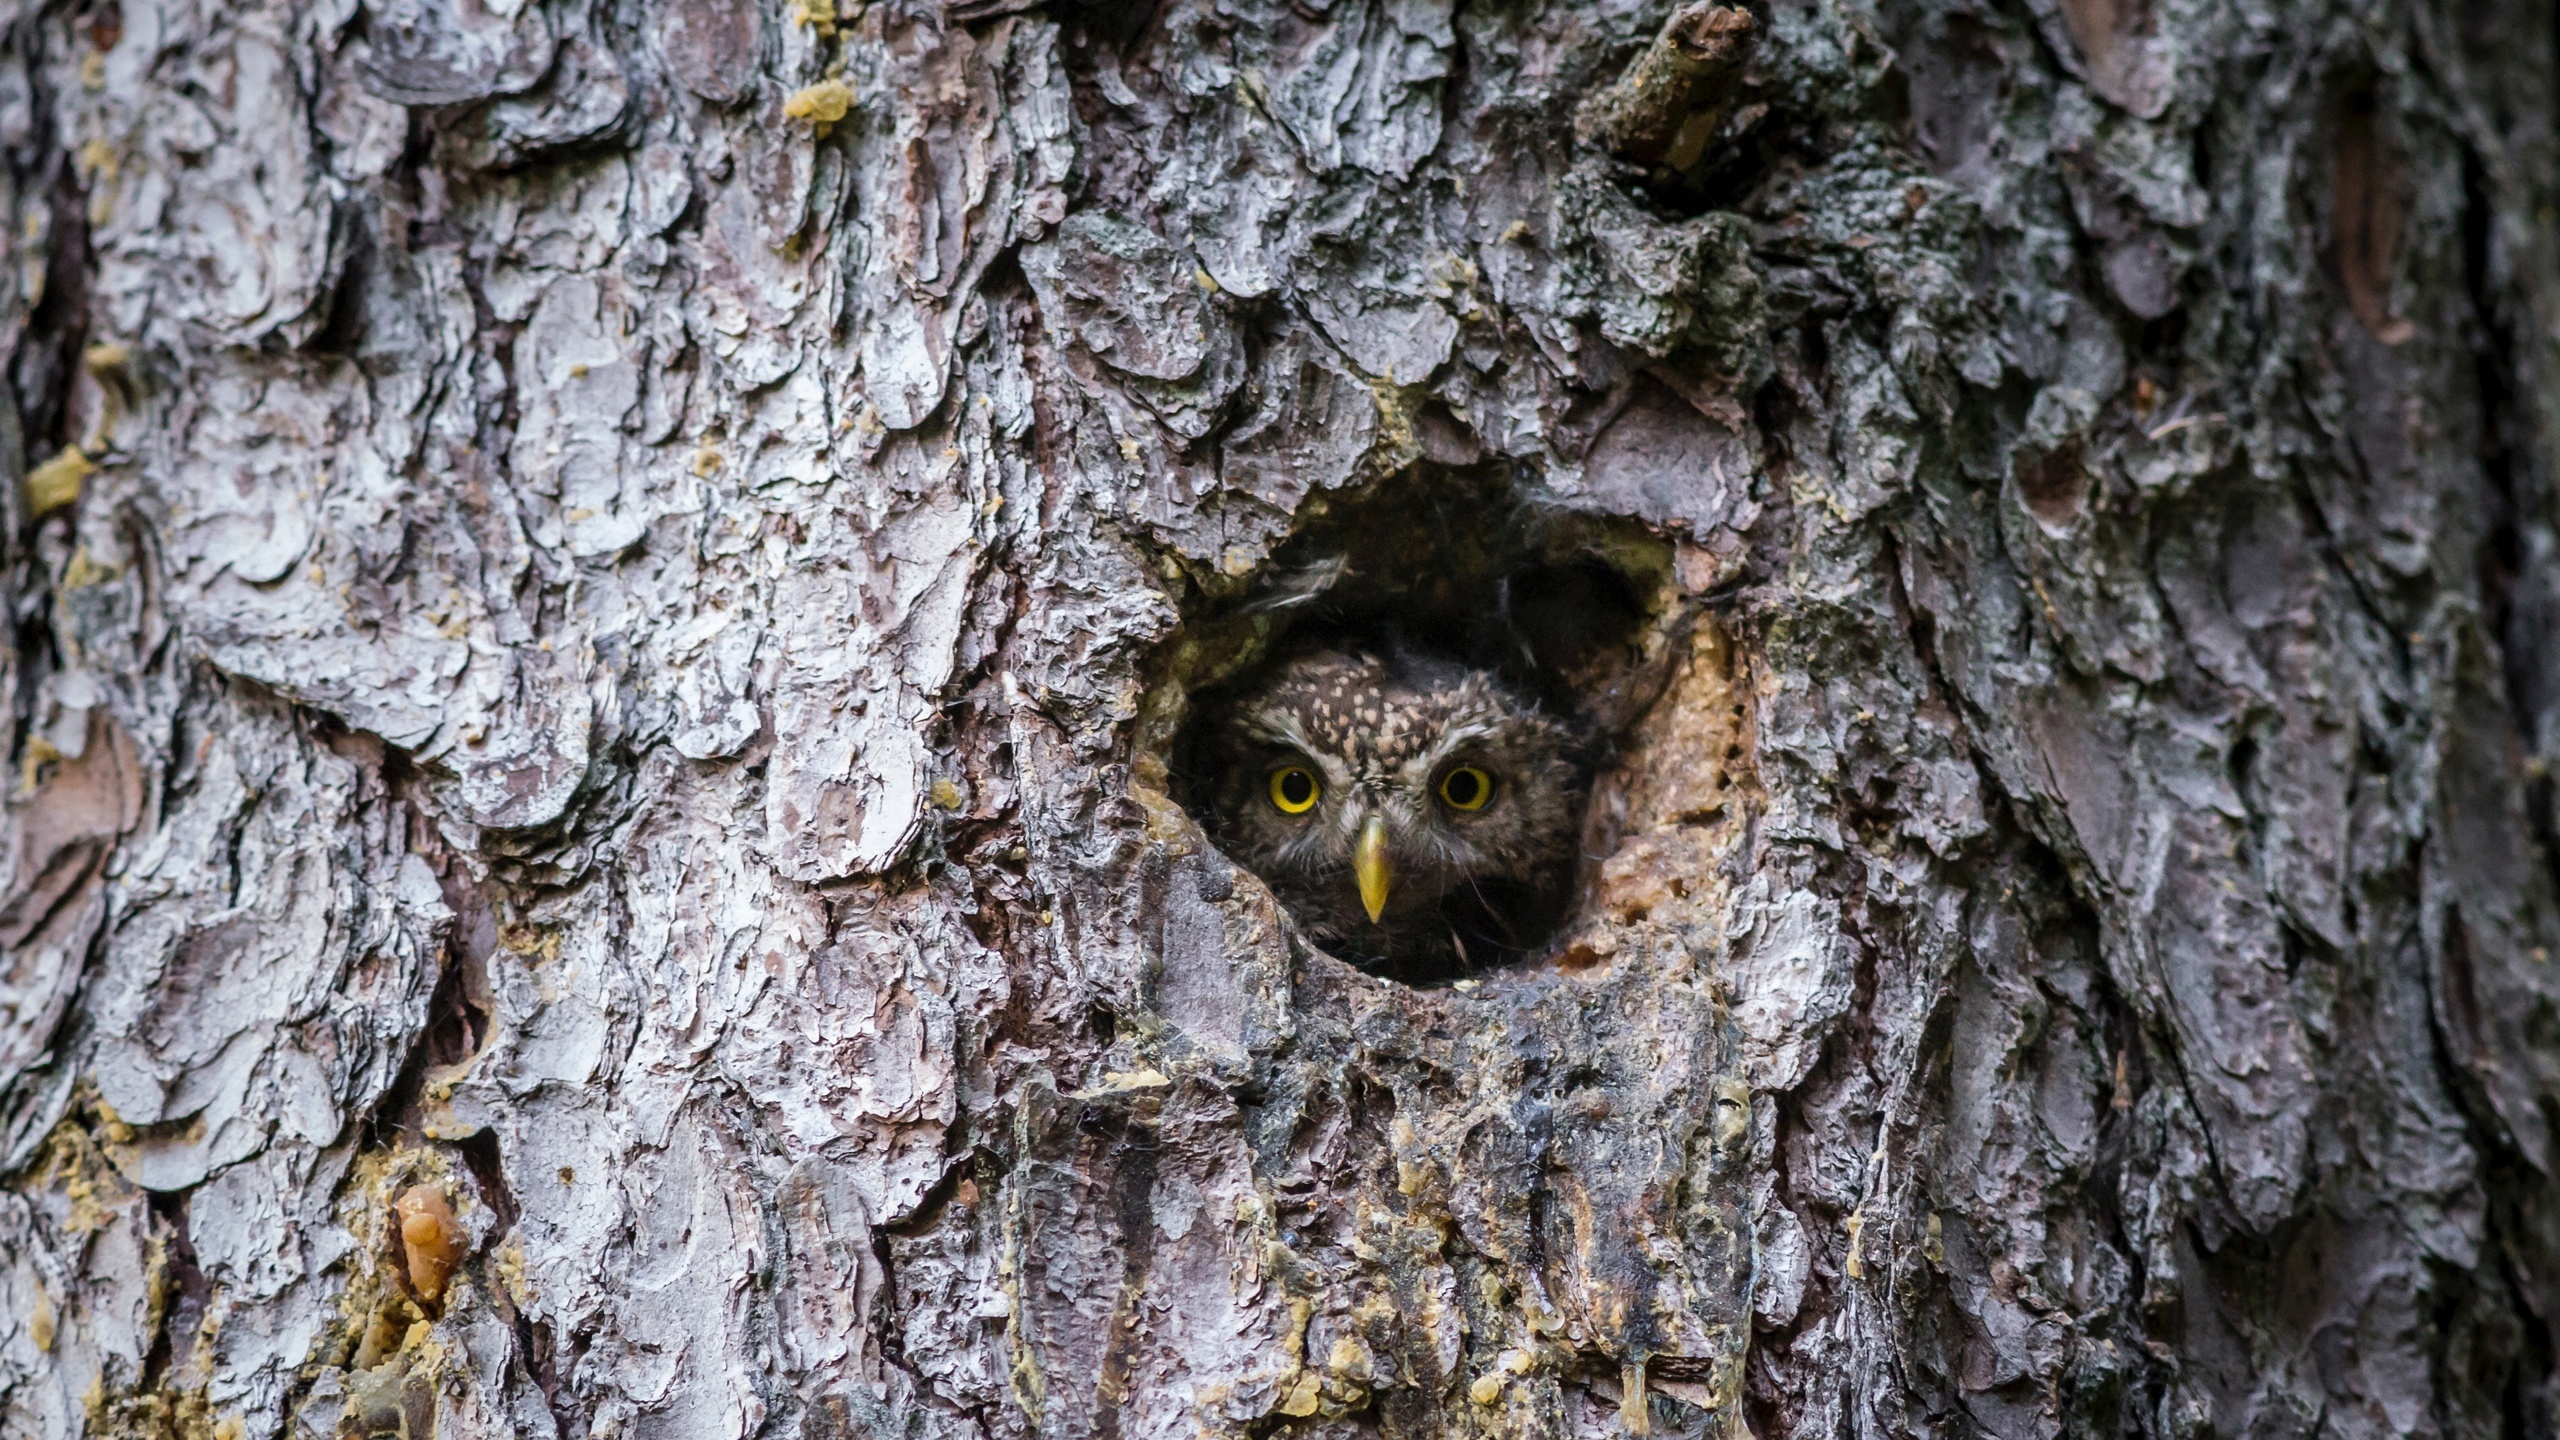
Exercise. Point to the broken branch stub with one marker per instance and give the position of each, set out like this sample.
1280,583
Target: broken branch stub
1666,107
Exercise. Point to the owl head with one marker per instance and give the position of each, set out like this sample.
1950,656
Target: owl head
1407,810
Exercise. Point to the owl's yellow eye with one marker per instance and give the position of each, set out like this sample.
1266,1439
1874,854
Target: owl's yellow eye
1466,787
1294,789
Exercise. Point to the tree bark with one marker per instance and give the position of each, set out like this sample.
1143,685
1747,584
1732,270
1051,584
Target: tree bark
606,595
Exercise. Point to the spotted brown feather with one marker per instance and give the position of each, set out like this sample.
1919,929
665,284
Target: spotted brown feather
1470,887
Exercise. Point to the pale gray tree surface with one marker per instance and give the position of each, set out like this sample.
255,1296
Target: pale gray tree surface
608,598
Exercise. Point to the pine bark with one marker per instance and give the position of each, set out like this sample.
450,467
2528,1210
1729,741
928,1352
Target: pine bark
605,593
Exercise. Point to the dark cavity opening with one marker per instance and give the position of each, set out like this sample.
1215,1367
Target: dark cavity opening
1453,652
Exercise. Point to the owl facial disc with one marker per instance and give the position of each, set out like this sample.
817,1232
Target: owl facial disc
1371,867
1408,811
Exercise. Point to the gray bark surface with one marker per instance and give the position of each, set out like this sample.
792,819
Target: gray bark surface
601,592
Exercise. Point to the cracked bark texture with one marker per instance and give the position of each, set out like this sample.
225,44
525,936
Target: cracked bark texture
599,588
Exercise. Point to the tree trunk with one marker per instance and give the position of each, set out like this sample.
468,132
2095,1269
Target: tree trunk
608,596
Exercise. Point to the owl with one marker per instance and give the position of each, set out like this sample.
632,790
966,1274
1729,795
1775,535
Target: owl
1415,816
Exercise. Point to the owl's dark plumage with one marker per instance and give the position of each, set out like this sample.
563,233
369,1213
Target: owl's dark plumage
1381,737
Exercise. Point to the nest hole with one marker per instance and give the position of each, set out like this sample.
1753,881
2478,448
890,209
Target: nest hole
1441,578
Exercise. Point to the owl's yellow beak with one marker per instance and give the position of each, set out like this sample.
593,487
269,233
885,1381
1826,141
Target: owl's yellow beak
1370,866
